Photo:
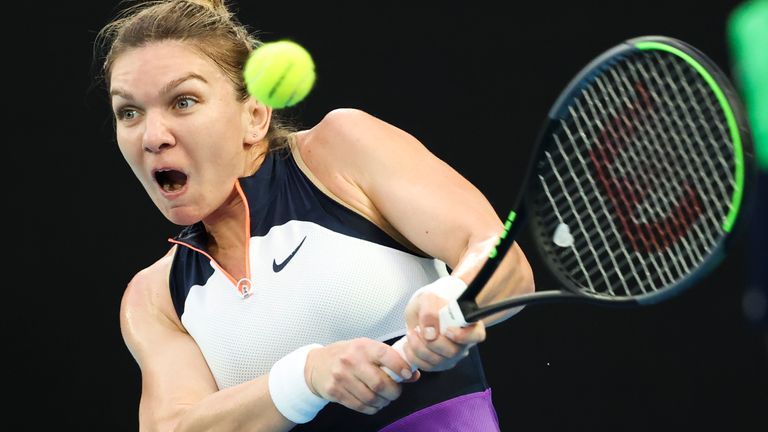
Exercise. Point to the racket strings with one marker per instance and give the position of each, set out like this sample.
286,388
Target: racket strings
640,172
661,235
691,204
706,137
707,120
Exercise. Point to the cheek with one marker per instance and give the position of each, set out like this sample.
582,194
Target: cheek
219,166
128,146
125,149
221,146
132,153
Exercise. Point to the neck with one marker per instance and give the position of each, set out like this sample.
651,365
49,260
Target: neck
226,227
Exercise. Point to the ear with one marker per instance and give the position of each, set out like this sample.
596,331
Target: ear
256,119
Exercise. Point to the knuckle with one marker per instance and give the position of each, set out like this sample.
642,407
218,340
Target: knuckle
451,352
381,350
338,374
346,360
427,314
333,392
378,386
370,399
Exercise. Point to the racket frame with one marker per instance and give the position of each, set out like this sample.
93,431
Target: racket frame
744,171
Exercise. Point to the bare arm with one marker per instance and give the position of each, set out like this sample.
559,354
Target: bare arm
180,394
390,177
178,390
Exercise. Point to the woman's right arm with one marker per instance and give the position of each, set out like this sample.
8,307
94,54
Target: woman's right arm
178,391
180,394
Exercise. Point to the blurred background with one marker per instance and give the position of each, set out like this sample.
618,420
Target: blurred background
473,81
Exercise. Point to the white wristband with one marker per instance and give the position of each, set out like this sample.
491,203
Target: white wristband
289,390
447,287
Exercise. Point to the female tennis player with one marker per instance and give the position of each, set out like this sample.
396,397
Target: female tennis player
303,254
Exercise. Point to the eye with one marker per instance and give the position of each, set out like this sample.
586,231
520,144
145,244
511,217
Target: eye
126,114
185,102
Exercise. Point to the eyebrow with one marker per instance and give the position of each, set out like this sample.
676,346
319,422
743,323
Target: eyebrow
117,91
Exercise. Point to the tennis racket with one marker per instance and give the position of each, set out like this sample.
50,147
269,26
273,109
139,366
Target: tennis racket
635,185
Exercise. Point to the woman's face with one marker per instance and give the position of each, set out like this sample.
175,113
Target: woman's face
181,128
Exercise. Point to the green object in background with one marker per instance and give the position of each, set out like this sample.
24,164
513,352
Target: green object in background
748,39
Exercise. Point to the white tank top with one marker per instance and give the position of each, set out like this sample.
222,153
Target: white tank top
319,273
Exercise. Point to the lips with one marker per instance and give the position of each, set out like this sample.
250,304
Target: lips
170,180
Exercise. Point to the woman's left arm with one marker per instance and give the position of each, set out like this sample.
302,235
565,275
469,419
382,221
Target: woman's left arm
393,179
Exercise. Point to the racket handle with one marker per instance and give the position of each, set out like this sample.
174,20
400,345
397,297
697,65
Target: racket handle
398,346
450,316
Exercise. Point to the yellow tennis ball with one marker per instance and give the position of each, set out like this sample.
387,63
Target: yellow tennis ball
279,74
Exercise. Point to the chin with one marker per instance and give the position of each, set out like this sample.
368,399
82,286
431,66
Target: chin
181,216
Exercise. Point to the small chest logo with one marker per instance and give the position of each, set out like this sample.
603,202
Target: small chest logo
278,267
245,287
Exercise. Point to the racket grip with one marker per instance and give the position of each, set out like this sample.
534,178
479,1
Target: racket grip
450,316
398,346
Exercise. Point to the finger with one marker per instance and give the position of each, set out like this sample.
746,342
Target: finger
373,391
428,318
441,346
445,347
469,335
380,384
415,377
419,354
352,401
389,357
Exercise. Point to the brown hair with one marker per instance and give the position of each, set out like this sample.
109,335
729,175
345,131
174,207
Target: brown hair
206,25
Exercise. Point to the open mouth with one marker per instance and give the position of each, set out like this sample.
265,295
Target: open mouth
170,180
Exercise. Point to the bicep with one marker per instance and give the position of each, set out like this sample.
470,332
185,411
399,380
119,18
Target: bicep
434,207
421,196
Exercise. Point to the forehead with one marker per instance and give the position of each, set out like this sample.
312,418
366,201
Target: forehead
155,64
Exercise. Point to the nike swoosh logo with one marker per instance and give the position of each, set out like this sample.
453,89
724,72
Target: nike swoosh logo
278,267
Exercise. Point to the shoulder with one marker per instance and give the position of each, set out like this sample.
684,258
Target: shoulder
344,123
351,129
146,302
145,287
352,141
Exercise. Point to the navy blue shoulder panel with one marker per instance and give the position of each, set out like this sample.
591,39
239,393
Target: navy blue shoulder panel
280,192
188,269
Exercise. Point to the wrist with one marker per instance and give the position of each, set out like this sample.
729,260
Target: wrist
308,370
447,287
289,388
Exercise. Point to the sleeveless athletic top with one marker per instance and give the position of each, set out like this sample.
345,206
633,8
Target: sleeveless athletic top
317,272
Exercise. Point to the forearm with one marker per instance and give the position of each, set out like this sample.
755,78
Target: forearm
247,406
512,277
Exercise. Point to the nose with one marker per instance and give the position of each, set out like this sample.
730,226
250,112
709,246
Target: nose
157,136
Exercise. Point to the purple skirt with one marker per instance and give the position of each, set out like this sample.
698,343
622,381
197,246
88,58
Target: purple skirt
470,412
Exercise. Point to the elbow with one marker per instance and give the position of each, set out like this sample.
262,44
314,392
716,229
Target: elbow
527,284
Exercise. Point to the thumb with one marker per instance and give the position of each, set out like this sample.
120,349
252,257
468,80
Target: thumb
428,318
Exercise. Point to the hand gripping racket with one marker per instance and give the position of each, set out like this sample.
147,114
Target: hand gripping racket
635,185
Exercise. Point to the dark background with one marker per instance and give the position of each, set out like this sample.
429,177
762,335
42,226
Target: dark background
473,81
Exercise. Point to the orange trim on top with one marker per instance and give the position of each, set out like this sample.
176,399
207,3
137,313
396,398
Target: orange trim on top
247,230
229,276
235,282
